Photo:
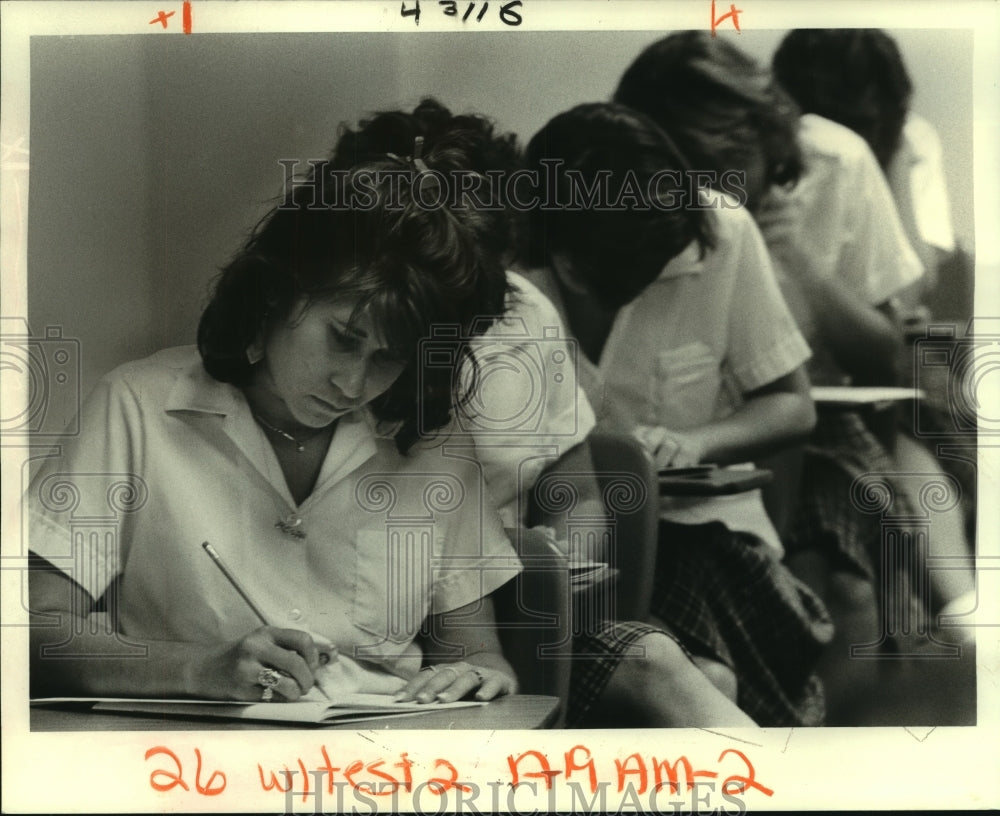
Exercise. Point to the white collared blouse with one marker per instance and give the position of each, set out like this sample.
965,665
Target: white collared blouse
168,458
847,226
528,408
706,331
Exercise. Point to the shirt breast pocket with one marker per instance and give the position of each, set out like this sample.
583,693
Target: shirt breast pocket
686,385
393,583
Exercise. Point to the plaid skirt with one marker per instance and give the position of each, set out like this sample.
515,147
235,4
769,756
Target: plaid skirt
727,597
828,519
596,656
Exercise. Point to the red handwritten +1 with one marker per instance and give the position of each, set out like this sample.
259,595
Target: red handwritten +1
162,17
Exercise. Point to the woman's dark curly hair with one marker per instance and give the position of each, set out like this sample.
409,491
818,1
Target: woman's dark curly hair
615,250
853,76
717,103
385,230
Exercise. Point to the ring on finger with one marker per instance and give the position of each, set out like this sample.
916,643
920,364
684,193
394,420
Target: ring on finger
430,669
479,675
269,679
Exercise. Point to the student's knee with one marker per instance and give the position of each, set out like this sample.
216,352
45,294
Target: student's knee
664,688
662,654
659,663
665,662
852,597
719,674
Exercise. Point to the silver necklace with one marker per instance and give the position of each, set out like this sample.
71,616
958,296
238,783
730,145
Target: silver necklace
300,446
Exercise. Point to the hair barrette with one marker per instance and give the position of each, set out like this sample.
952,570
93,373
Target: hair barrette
418,152
415,160
422,178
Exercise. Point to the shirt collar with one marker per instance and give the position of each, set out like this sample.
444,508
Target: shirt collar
353,444
689,262
195,390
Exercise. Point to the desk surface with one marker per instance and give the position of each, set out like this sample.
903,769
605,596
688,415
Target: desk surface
519,711
856,396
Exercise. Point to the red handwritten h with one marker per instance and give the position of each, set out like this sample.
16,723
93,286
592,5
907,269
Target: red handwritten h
733,13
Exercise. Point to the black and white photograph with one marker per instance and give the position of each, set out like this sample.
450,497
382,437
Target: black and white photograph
499,406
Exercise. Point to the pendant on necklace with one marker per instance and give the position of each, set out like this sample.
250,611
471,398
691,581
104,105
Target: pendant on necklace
299,446
291,525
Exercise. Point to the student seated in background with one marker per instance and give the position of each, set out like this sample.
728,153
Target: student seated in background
857,77
625,674
830,225
281,440
686,343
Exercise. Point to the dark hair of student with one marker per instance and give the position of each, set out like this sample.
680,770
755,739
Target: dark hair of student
412,266
853,76
718,104
618,245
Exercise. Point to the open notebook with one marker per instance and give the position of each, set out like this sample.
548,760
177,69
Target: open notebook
315,709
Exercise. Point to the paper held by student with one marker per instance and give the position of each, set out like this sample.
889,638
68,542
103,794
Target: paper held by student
312,708
862,395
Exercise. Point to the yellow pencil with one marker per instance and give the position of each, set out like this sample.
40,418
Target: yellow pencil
214,555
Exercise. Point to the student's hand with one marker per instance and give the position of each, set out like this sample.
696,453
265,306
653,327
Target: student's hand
234,671
327,651
779,221
670,448
447,682
325,680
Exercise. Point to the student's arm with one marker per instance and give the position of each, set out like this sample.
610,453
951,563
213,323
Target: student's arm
105,664
919,188
764,355
514,458
771,418
865,340
849,282
476,665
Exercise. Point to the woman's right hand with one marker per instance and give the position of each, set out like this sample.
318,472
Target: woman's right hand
670,448
779,220
232,672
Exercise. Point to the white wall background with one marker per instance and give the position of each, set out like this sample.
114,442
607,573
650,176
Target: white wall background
152,157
